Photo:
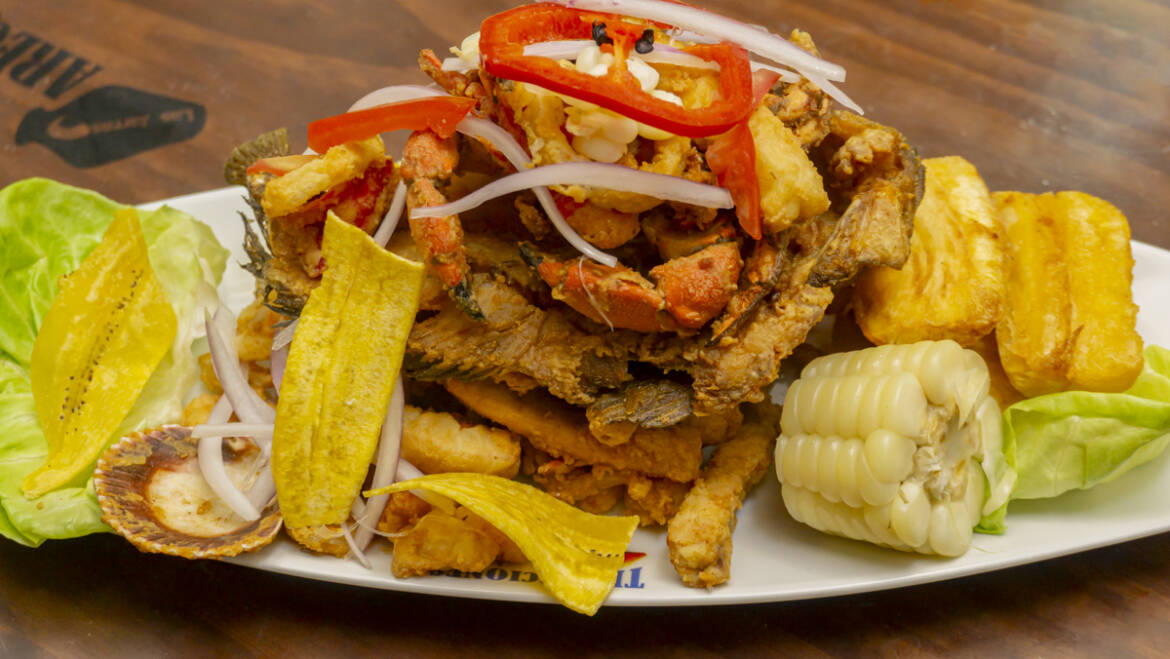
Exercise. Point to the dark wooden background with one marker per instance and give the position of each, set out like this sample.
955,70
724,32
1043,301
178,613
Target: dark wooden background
1053,94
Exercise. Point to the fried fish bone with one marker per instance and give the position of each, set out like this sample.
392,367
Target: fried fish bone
952,286
1070,319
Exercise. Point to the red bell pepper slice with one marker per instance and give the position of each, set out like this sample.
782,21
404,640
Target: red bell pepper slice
437,113
503,36
732,158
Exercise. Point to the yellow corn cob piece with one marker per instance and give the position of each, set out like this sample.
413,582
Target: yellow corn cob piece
952,285
895,445
1069,321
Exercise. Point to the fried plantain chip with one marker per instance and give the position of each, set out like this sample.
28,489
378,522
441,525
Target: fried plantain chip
342,365
575,553
105,333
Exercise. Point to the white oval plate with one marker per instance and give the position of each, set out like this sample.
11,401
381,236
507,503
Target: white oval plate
775,559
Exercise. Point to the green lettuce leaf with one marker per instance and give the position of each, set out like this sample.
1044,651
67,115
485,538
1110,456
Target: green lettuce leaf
1077,439
46,230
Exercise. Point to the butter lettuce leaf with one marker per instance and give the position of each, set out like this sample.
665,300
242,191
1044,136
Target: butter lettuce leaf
46,230
1077,439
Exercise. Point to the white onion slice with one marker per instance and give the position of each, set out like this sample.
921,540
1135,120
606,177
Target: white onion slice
755,39
257,431
393,214
210,459
785,74
226,362
389,449
596,174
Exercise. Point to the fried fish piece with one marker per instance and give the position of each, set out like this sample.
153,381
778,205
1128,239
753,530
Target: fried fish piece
1070,320
562,431
952,286
699,535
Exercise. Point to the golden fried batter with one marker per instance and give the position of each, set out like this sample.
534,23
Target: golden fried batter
699,535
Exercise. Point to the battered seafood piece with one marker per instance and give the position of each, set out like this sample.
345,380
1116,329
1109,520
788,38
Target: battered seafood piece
461,541
436,442
518,343
558,429
699,535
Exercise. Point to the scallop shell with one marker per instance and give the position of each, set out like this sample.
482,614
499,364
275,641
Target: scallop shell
151,492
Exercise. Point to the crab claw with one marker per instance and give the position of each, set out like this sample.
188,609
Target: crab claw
687,291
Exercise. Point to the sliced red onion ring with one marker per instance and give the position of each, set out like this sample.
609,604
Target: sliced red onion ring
596,174
503,142
785,74
457,65
224,358
265,486
406,472
663,54
285,336
353,548
277,360
210,458
389,449
691,36
755,39
833,91
394,94
257,431
393,214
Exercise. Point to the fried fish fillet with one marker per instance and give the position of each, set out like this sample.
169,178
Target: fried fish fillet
518,343
562,431
699,535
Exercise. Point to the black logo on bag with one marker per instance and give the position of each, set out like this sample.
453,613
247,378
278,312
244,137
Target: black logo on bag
111,123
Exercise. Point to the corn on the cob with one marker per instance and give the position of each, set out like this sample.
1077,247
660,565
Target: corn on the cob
899,445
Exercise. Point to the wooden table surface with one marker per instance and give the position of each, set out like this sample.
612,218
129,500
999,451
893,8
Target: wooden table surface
1070,94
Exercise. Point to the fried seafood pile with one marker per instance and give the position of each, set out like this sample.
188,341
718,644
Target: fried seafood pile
602,384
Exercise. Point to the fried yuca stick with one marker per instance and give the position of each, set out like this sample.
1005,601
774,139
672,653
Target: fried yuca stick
952,285
1070,319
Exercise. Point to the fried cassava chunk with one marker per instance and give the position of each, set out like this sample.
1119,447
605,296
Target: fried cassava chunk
1069,321
952,286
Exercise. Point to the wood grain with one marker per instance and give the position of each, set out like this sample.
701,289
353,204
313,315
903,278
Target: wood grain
1051,94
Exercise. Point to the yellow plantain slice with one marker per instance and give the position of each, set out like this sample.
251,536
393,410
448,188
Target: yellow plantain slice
576,554
105,333
341,370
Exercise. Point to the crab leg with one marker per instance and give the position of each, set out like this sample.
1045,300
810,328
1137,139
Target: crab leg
428,159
